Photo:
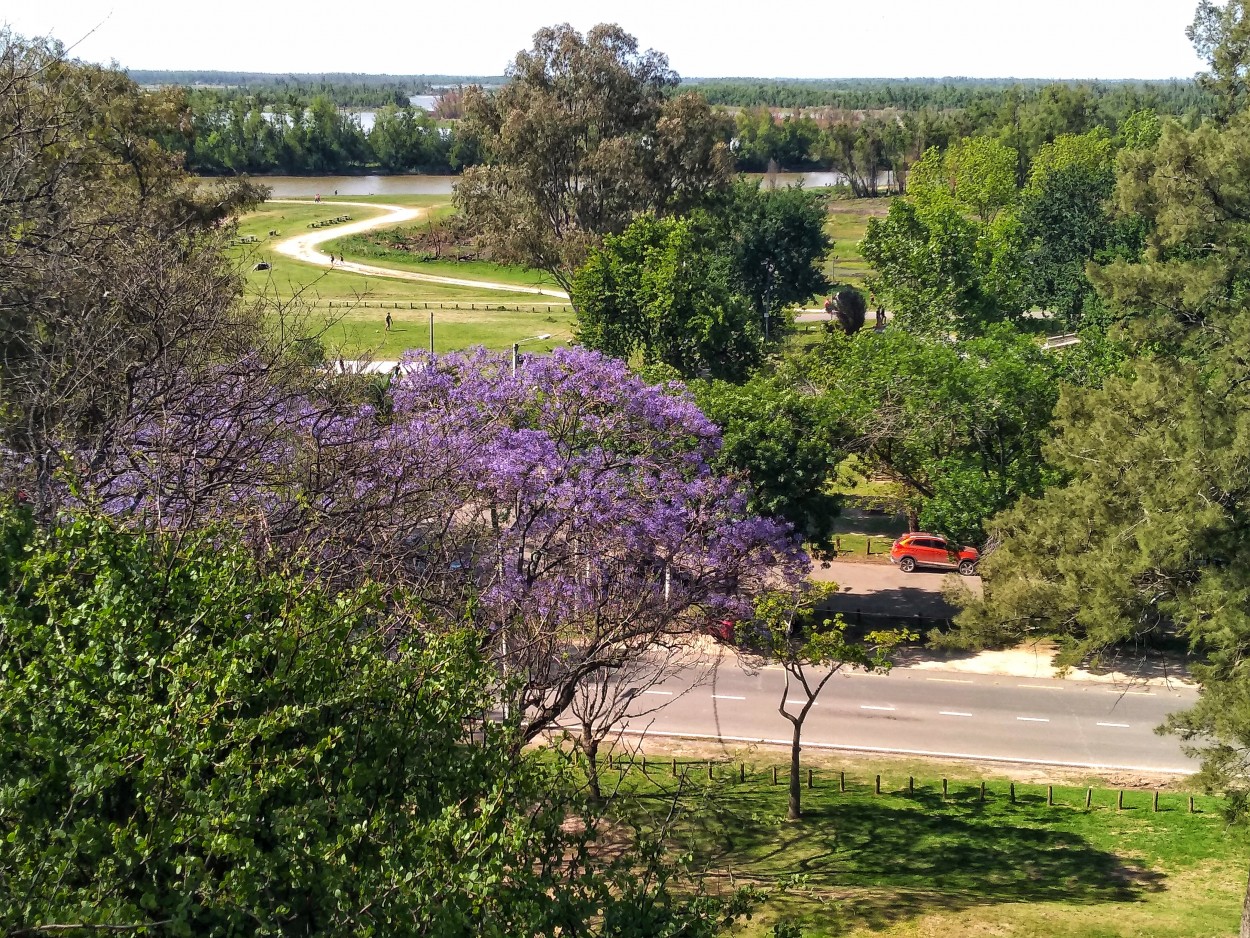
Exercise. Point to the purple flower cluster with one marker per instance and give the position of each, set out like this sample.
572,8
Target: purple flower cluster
571,506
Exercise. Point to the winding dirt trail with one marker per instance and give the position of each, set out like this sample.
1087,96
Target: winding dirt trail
304,248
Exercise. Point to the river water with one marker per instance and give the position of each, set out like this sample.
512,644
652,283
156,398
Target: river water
286,187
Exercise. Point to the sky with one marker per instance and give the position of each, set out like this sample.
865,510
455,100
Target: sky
799,39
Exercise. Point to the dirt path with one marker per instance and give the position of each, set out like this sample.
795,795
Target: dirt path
304,248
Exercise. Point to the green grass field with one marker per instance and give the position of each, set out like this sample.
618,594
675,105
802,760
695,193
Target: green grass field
472,315
361,330
921,864
846,224
361,248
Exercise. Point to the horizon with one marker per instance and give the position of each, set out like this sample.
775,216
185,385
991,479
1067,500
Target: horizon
693,79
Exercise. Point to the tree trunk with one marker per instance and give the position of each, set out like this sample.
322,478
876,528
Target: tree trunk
796,810
1245,913
591,746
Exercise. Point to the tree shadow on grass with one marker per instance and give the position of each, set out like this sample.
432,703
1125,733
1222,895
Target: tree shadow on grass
894,859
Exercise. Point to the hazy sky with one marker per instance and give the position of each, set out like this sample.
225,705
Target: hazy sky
801,38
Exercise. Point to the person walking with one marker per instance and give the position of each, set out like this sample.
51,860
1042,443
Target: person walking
388,322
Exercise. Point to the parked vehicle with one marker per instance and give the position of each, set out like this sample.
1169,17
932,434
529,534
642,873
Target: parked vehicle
920,549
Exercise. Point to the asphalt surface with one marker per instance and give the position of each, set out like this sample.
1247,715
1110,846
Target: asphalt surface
1084,724
880,588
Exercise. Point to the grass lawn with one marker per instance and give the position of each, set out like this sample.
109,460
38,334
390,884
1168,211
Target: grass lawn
364,330
290,220
921,864
360,248
846,224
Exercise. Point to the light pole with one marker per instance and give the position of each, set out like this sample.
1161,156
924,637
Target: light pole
516,348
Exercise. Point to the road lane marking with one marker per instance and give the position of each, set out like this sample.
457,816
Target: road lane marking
664,693
726,697
1135,693
1033,719
947,680
871,707
842,747
1040,686
799,703
953,713
1123,726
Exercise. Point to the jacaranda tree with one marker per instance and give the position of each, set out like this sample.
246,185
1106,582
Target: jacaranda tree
573,507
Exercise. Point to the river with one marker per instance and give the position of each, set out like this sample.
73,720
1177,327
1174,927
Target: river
286,187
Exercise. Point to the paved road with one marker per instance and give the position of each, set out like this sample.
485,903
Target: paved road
882,588
1084,724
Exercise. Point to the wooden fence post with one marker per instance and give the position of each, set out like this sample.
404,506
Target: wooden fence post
1050,795
709,771
1013,792
983,793
742,771
809,779
911,785
944,789
674,766
878,784
1191,804
841,781
1156,801
1119,803
1089,798
774,775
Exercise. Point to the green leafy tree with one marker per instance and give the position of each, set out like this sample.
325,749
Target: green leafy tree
1066,220
658,291
787,632
192,745
585,136
948,258
959,425
925,268
774,241
785,441
980,173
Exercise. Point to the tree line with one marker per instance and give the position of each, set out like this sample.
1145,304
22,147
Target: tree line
301,126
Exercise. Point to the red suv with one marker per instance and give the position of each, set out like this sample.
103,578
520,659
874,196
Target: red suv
919,549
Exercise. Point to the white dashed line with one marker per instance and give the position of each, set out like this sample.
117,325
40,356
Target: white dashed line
663,693
1122,726
871,707
1033,719
947,680
1040,686
726,697
1135,693
953,713
798,703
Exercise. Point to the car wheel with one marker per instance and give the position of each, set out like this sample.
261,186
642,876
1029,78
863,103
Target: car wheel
907,564
967,567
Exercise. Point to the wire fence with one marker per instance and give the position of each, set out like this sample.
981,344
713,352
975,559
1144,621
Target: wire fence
463,307
1087,798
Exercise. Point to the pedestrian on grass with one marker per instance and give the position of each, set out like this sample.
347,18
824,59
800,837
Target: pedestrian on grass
388,322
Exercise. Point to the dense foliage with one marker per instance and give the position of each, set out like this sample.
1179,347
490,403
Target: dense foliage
706,294
582,139
191,744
